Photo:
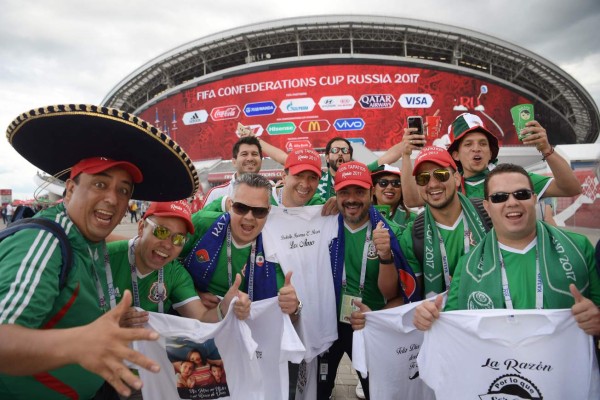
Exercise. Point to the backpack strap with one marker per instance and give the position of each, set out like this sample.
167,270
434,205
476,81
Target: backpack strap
54,228
418,231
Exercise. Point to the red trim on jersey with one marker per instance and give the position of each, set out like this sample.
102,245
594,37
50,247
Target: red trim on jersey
56,385
210,191
61,313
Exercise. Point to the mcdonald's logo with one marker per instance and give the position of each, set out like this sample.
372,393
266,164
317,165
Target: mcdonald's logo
315,126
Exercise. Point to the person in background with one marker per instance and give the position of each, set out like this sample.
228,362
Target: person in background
387,185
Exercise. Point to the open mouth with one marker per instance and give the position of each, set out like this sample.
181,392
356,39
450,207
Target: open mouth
514,215
103,216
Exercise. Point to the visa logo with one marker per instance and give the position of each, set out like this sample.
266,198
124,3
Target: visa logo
415,100
349,124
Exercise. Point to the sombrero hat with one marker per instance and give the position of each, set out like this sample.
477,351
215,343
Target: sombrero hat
55,138
466,123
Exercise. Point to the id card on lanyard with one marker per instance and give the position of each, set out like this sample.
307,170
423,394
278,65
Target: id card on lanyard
102,302
348,300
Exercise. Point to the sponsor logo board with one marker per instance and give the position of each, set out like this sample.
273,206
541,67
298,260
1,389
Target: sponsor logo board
260,108
313,126
349,124
301,105
415,100
377,101
195,117
329,103
281,128
225,112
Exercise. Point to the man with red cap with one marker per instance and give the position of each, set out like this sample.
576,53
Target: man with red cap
364,242
60,326
449,226
475,149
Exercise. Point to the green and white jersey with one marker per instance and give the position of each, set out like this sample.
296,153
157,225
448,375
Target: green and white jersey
179,287
30,262
540,184
402,220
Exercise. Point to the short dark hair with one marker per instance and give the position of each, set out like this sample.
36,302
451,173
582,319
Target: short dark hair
253,180
335,139
505,169
251,140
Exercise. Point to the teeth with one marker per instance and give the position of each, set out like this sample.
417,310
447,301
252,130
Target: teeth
160,253
513,214
104,212
435,193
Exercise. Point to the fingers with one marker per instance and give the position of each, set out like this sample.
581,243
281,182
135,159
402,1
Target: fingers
379,225
133,317
288,301
288,279
241,308
361,307
576,293
209,300
426,313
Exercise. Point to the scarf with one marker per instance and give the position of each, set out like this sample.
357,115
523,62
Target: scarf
432,266
201,262
406,277
561,263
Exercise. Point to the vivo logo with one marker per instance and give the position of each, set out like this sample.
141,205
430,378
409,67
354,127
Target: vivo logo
349,124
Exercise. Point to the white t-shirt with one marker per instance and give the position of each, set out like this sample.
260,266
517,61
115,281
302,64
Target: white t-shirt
214,193
387,349
299,239
501,354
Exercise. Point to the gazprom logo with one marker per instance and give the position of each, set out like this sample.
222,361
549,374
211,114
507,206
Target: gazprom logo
302,105
195,117
349,124
260,108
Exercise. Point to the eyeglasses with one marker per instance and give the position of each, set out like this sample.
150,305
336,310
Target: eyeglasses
441,174
335,150
242,209
162,233
384,182
501,197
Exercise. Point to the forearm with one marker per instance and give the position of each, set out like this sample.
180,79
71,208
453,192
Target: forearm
274,152
410,195
565,182
387,281
26,351
392,155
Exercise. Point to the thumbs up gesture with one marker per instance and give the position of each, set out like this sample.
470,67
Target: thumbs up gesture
381,240
586,313
357,318
288,301
241,308
427,312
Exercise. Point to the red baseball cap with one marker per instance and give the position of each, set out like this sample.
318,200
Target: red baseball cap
436,155
178,209
467,123
96,165
353,173
303,160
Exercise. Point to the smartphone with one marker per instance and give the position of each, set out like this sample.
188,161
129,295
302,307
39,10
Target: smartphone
415,121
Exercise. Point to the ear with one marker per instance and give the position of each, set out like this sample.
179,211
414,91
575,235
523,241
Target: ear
228,203
69,189
457,179
455,155
141,223
486,205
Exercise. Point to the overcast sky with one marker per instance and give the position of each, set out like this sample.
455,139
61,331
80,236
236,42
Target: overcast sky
68,51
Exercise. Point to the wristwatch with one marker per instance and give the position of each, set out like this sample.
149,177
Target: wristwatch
386,260
297,312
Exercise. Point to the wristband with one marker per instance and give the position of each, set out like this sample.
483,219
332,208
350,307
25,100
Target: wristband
297,312
548,154
219,312
386,260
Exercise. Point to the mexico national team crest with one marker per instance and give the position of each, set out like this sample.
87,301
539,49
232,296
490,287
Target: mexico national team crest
513,387
202,256
260,260
154,295
372,251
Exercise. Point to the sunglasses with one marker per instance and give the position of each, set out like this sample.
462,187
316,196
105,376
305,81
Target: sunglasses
242,209
442,175
384,182
335,150
160,232
501,197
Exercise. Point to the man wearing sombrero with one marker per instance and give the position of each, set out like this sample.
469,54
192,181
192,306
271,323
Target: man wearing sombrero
61,338
475,150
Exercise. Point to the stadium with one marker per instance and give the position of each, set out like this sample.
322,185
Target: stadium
298,82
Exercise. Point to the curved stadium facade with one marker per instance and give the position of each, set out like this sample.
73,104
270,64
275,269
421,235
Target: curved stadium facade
300,81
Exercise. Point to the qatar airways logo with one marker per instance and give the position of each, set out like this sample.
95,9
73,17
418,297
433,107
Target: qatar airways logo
302,105
329,103
225,112
377,101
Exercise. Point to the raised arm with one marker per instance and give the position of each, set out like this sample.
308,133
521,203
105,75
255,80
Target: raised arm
410,195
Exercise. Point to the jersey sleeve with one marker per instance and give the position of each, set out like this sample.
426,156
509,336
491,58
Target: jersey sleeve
373,165
540,183
30,263
182,286
406,244
217,205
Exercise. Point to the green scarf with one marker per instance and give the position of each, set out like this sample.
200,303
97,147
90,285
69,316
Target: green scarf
561,263
432,266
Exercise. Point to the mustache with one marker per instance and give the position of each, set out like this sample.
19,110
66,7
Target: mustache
352,204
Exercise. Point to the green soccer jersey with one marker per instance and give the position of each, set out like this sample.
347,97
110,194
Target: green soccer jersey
540,184
353,255
30,262
219,283
521,275
179,287
402,219
326,183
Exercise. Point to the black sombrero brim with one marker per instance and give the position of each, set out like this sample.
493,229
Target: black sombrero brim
55,138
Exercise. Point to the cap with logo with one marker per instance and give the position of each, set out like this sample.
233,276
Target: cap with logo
467,123
353,173
95,165
436,155
178,209
385,169
58,138
303,160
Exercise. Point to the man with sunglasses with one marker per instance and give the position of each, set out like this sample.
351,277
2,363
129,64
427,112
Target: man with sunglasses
450,224
475,148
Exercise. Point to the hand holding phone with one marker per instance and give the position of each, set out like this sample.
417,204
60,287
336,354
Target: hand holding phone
415,121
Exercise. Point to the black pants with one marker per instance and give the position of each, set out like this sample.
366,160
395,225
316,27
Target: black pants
333,357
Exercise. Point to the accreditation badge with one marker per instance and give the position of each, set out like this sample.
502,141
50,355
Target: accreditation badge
347,307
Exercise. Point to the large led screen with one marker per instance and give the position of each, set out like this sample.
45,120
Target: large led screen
306,106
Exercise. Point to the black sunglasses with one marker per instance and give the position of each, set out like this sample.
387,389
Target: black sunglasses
384,182
162,233
242,209
501,197
335,150
440,174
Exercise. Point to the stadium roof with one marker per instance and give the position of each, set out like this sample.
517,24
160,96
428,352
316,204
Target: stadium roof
359,38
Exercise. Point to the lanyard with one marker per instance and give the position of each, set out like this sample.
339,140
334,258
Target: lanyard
444,254
134,282
363,267
109,279
250,266
539,287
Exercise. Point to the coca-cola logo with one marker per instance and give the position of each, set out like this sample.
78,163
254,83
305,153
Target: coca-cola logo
225,112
